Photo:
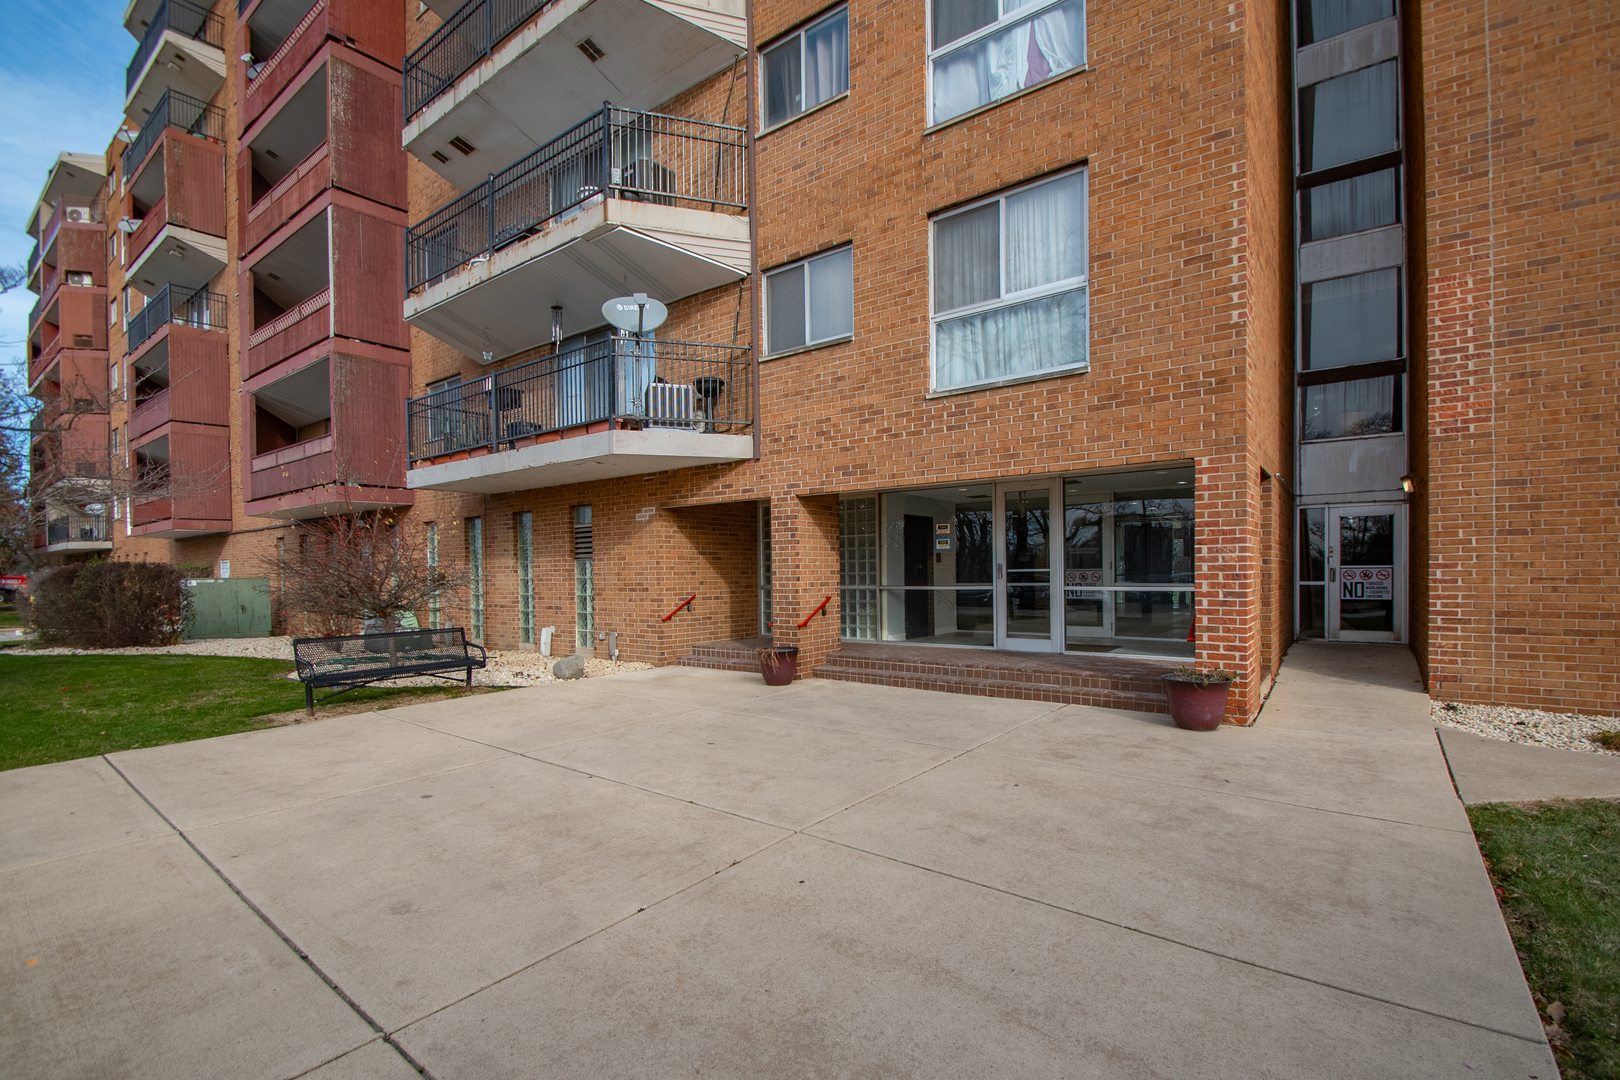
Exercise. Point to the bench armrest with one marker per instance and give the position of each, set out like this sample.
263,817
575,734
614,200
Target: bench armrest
483,657
303,666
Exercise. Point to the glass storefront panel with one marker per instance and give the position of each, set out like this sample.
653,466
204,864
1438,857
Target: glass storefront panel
933,541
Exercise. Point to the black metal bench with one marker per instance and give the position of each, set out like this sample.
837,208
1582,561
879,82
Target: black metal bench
356,660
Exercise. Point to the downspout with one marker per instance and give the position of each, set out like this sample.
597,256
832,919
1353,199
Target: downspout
753,230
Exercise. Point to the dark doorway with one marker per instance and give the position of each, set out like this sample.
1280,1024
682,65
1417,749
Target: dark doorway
919,563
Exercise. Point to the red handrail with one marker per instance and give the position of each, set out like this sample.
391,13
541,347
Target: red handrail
821,609
687,604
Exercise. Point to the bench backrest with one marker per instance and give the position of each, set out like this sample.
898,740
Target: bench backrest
401,649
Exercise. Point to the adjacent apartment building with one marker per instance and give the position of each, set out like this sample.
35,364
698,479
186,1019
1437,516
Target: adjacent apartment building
1029,349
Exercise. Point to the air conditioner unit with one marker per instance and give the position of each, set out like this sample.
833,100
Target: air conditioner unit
80,277
79,215
669,405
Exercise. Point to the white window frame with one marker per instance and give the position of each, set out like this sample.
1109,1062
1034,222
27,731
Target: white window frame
1083,281
765,297
935,52
800,33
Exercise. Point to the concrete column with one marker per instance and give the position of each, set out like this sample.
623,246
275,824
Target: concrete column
804,571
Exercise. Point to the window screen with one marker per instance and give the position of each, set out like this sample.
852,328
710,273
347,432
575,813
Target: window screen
1347,206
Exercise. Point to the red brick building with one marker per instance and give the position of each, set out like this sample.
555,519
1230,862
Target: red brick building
1020,349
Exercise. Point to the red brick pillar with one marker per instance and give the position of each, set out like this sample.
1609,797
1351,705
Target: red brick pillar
804,572
1228,534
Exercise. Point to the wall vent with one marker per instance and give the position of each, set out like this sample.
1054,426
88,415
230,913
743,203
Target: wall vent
462,145
593,52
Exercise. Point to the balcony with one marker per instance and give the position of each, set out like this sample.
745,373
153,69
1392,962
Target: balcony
179,366
181,49
485,270
324,439
178,192
72,249
287,35
184,485
332,272
315,138
500,78
72,321
620,407
78,531
180,112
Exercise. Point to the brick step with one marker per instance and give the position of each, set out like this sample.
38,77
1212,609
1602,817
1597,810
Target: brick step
1133,700
1130,680
720,663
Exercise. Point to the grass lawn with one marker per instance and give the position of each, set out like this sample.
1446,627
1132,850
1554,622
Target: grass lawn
9,617
1556,867
53,708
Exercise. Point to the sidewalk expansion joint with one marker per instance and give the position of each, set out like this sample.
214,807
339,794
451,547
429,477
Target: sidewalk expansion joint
309,961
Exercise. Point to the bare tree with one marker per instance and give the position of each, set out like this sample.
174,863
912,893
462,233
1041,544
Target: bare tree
347,569
12,276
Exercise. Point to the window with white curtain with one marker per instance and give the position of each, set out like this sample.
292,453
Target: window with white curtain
810,302
805,69
1009,285
983,50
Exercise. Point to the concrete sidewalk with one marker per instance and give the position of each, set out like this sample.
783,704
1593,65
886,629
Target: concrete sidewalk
1491,770
685,872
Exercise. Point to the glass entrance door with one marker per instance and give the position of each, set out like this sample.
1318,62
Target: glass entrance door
1028,554
1366,573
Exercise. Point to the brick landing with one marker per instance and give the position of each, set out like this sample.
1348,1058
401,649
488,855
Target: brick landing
1090,679
736,655
1110,682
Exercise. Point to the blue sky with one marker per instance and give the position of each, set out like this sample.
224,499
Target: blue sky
62,81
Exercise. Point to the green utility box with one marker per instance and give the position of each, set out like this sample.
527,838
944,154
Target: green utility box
228,607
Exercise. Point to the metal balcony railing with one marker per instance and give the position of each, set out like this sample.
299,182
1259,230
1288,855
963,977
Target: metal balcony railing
177,110
190,307
639,156
658,384
78,529
184,18
33,260
460,42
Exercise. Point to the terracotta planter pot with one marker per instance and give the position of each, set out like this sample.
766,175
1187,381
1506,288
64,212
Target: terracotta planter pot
1194,707
779,666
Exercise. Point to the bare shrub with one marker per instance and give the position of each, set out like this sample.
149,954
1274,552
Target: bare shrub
110,605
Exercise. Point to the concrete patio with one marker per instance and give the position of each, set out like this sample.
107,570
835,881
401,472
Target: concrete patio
685,872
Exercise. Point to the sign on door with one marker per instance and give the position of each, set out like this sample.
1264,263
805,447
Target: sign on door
1367,583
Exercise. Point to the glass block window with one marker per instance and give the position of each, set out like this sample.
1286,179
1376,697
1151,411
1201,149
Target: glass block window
858,567
433,560
475,588
525,569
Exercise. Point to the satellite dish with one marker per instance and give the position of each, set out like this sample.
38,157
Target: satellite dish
637,313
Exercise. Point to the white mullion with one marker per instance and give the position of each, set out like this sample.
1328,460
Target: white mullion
1001,249
805,306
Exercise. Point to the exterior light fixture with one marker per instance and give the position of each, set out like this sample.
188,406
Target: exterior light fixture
1408,483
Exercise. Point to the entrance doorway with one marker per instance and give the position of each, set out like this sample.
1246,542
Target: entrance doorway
1352,571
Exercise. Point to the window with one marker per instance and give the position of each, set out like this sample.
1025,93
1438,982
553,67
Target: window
1009,285
858,568
1352,320
1322,19
475,587
1348,206
433,560
1342,410
807,68
810,302
1351,117
584,581
525,569
983,50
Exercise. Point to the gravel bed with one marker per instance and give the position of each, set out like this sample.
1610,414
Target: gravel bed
1561,731
505,668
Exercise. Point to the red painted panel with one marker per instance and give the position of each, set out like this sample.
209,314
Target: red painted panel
367,158
368,419
148,416
199,376
293,476
314,327
199,462
194,183
151,225
372,27
285,65
292,194
368,270
83,248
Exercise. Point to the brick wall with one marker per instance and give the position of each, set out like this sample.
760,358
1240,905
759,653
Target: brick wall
1521,191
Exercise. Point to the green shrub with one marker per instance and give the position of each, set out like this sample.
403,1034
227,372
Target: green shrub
110,605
